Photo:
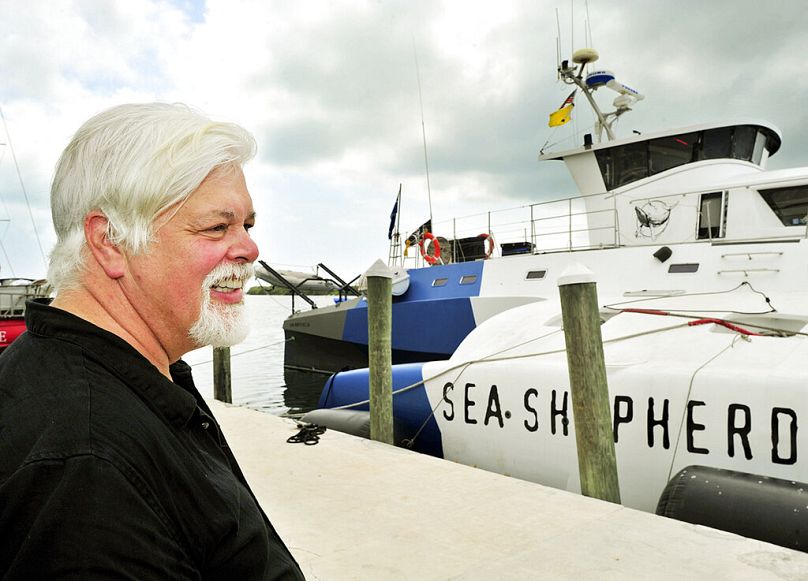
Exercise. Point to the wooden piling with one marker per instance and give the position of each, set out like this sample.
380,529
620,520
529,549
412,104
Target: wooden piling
380,322
222,389
590,393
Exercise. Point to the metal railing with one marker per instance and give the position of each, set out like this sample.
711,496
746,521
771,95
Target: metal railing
577,223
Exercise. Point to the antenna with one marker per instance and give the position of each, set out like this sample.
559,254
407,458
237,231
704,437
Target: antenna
572,26
558,40
22,186
423,127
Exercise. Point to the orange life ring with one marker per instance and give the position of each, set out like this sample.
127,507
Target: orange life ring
491,244
435,256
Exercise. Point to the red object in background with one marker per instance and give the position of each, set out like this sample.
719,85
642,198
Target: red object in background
10,329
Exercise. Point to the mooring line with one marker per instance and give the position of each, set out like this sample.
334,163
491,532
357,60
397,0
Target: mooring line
246,351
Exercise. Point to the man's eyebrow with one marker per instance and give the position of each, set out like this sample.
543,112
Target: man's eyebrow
227,214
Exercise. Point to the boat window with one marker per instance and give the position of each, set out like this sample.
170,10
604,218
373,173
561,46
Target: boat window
468,279
683,267
535,274
440,282
604,157
790,204
743,143
760,143
668,152
711,216
630,163
716,143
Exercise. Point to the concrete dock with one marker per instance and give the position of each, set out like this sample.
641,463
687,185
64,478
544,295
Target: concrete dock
350,508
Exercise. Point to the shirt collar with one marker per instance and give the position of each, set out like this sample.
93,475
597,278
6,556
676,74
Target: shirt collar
175,400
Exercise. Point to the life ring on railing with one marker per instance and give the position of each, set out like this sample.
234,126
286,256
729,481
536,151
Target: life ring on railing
491,243
435,256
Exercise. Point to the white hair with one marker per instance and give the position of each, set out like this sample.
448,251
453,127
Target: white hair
131,163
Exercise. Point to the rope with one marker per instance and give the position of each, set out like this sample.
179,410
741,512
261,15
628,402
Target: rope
24,191
687,399
309,434
411,442
729,324
248,351
615,306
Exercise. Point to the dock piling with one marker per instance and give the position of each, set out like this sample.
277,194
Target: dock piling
380,323
222,389
590,393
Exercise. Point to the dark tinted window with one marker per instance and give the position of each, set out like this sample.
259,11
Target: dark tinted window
604,157
790,204
683,267
535,274
716,143
630,163
668,152
743,143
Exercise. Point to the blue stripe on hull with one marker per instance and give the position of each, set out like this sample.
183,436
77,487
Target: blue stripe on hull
445,309
422,279
410,409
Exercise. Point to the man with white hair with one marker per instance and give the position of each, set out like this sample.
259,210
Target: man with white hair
111,463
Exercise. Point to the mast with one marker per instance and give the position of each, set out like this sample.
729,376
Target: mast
24,191
423,128
589,84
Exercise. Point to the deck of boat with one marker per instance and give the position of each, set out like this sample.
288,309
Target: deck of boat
354,509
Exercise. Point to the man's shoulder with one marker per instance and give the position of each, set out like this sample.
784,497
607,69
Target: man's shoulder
56,401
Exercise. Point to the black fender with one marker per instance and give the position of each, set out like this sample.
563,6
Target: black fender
759,507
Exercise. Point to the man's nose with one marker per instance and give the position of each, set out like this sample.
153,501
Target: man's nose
244,249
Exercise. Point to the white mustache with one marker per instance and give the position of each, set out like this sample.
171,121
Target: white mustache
228,271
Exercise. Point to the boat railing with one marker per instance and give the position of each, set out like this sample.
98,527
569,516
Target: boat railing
577,223
14,292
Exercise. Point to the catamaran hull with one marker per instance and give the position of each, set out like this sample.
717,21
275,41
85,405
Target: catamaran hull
428,323
679,397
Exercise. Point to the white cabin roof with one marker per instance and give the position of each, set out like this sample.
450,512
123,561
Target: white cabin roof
773,133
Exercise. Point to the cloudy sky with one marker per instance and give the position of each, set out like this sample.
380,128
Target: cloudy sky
330,90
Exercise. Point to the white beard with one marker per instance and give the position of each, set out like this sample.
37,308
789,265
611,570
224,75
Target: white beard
221,325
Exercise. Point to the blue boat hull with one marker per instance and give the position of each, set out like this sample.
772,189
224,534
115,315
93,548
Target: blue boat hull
411,408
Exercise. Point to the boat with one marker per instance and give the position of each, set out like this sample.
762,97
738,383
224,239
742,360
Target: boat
699,253
13,294
309,282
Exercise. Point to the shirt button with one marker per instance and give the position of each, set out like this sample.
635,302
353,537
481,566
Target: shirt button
205,425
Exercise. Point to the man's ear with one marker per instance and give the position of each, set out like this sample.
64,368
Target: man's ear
107,254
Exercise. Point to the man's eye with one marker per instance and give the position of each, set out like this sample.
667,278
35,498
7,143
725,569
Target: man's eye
218,228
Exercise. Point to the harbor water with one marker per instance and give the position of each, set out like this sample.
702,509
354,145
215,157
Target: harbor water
256,365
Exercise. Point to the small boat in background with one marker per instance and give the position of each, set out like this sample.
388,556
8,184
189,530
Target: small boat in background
14,290
13,294
309,282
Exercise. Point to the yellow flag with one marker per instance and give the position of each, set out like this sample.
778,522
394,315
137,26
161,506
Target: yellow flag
561,116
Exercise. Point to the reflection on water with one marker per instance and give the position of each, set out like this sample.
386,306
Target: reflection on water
303,390
256,365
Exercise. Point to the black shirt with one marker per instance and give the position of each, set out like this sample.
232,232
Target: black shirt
110,470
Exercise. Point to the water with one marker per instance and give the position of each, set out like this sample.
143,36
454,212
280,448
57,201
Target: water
256,365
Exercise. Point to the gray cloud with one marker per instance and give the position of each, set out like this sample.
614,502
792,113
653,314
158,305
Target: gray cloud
330,91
